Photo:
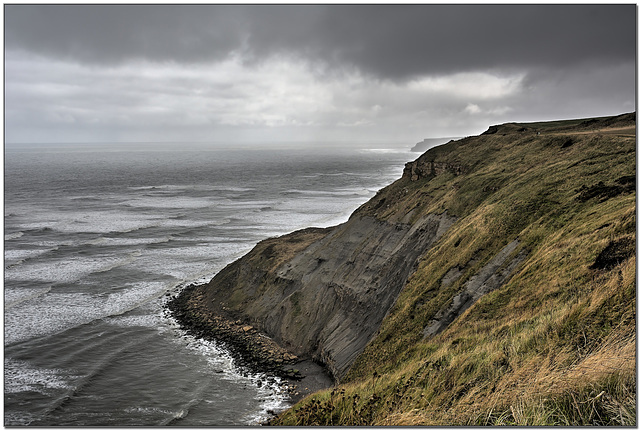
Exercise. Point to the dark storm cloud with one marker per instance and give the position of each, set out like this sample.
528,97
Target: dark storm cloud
108,33
385,73
389,41
396,41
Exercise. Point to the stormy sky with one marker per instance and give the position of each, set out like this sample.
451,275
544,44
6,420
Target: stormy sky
385,74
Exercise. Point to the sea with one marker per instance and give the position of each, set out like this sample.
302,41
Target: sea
97,235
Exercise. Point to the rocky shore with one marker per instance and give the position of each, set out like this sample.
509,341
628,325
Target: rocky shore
253,351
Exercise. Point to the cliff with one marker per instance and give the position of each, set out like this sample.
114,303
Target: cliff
327,300
493,283
427,143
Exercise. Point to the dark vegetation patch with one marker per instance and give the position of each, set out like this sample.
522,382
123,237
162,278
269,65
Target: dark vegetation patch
629,180
269,251
567,141
559,141
614,253
589,122
620,120
602,191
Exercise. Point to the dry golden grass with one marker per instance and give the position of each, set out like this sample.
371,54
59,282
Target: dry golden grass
622,131
555,345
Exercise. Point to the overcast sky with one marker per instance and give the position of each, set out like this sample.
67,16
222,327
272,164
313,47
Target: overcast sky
391,74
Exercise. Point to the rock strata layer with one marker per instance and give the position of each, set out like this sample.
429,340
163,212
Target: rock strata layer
490,277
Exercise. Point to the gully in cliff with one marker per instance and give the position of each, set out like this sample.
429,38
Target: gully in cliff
253,352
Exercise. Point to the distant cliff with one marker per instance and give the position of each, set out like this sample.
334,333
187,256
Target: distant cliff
428,143
493,283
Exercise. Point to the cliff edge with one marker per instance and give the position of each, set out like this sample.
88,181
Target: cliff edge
493,283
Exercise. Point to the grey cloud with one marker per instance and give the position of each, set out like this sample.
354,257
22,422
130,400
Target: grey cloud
393,73
397,41
113,33
387,41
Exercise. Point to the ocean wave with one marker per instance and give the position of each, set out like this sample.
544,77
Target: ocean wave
335,174
273,401
117,241
15,296
18,418
236,206
36,227
127,320
90,198
169,202
185,223
12,236
182,413
128,259
271,396
167,416
194,187
153,229
98,366
359,191
66,270
15,257
130,223
20,376
400,150
180,268
90,222
133,297
228,188
53,312
336,192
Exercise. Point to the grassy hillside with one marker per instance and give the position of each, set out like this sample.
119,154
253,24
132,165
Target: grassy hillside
555,344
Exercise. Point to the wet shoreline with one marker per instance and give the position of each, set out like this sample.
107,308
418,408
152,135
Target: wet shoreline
253,352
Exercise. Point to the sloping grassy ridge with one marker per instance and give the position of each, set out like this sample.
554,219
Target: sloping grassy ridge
556,343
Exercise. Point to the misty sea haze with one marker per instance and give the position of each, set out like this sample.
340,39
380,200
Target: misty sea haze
97,235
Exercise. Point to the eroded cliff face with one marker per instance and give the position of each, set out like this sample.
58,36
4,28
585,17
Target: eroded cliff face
421,168
327,297
528,295
492,257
